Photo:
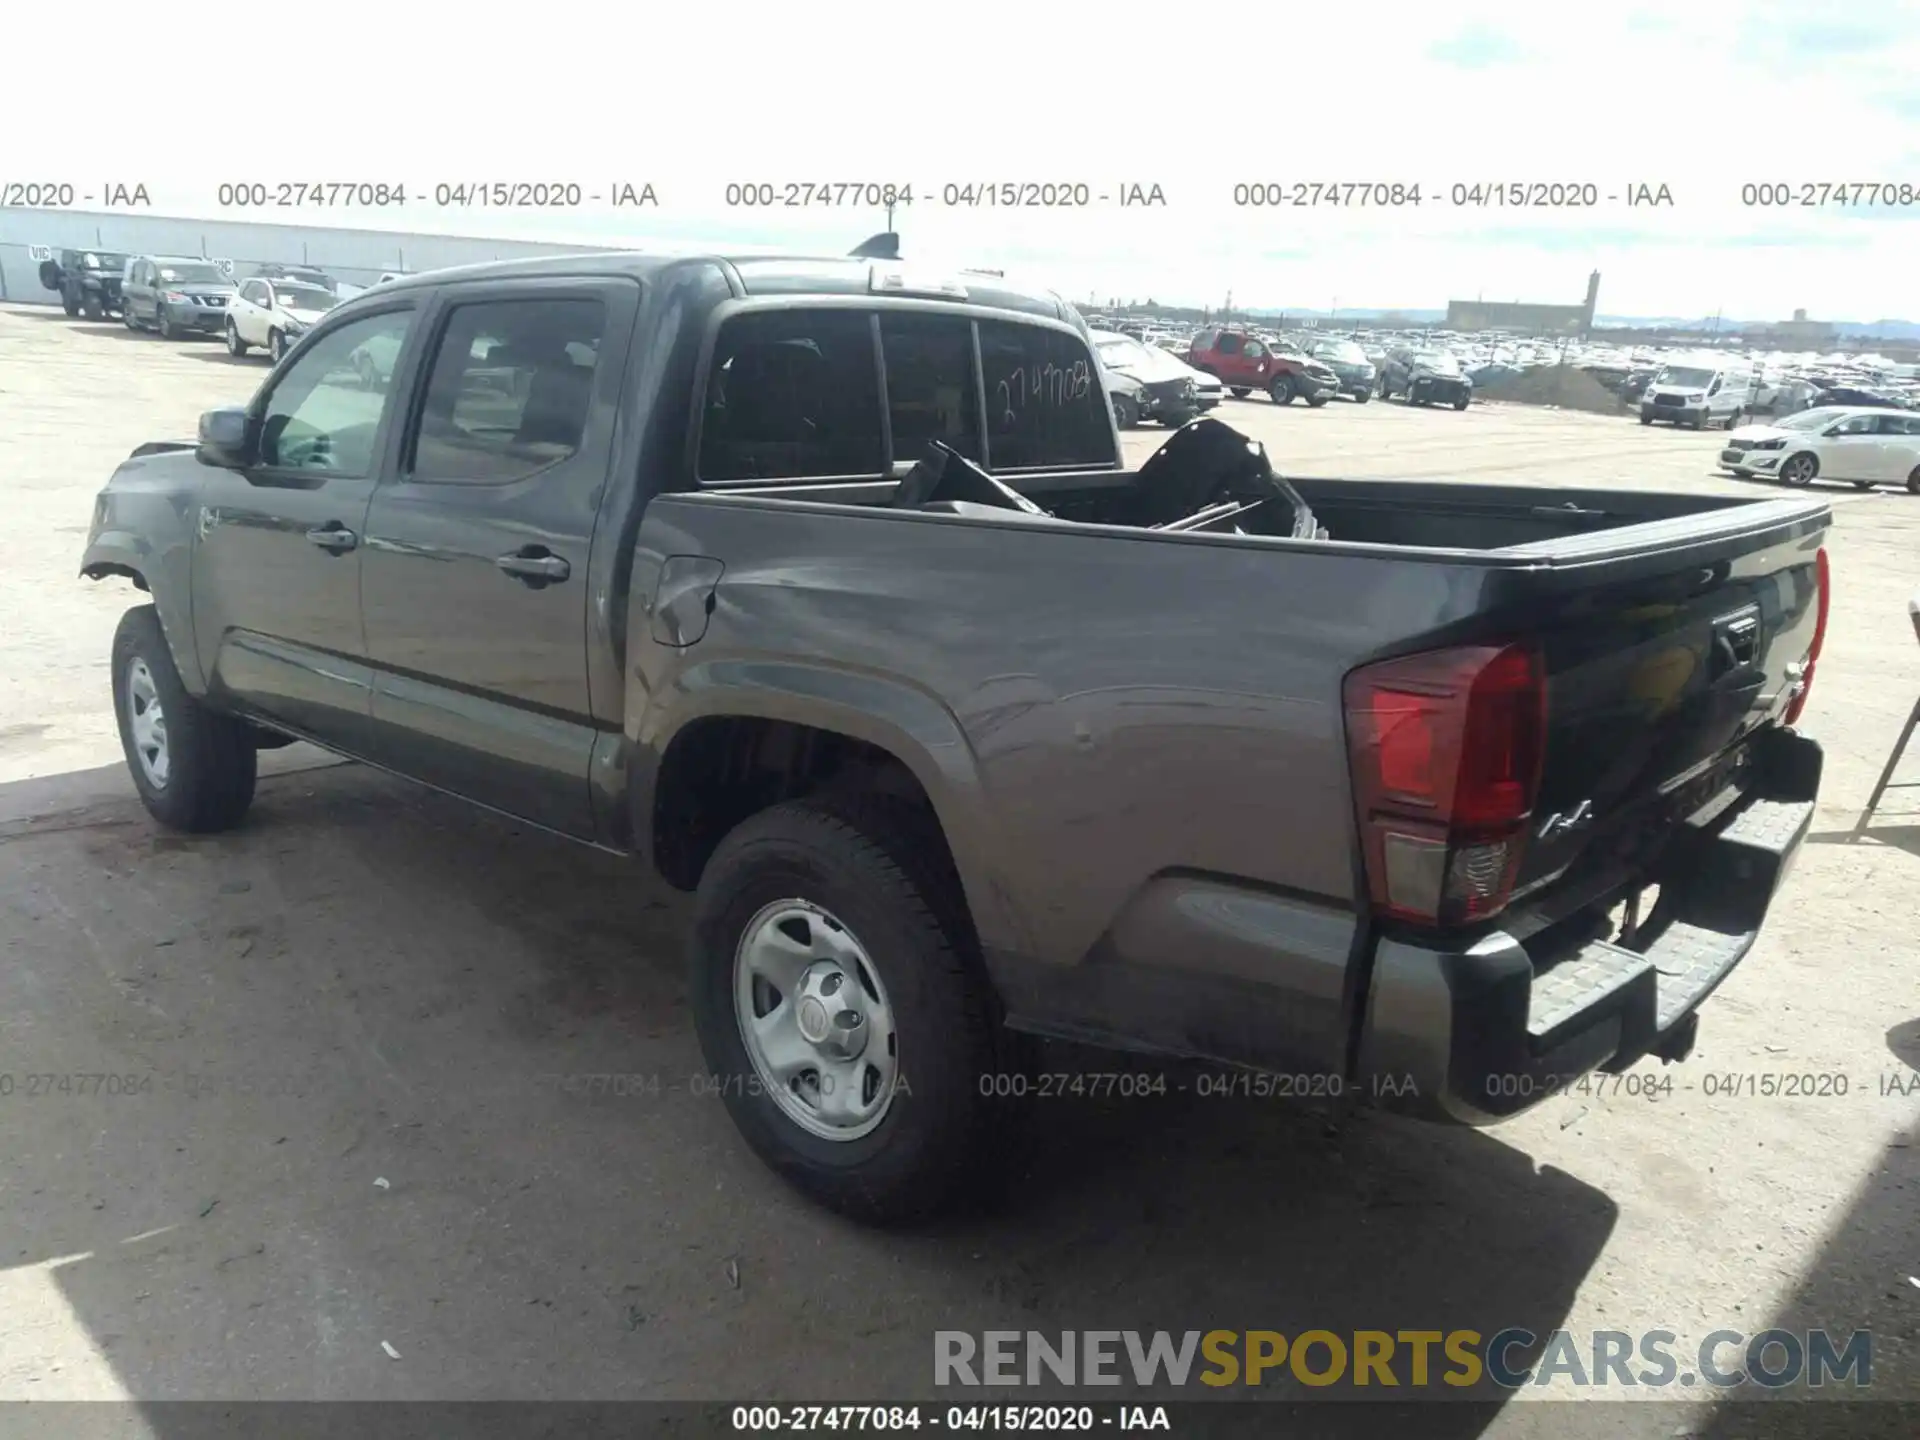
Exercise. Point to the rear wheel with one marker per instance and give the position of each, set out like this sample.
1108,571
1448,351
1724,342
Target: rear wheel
1863,484
1240,392
126,318
842,1008
235,345
193,766
1913,481
1646,419
276,345
1461,403
1800,469
163,322
1316,401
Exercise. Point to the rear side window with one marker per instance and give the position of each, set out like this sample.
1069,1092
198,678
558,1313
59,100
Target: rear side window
932,393
1044,405
1228,344
511,386
793,394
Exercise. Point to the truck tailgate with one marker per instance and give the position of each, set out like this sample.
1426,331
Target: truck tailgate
1658,681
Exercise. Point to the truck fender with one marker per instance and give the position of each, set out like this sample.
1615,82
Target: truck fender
914,727
142,536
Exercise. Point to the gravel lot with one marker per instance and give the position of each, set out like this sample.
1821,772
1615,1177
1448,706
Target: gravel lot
370,984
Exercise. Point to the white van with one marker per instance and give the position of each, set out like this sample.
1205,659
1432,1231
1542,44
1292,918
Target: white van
1702,391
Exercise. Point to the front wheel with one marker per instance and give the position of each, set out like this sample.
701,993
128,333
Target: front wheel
1281,390
1316,401
1461,403
93,308
236,347
193,766
842,1008
1126,414
1913,481
1800,469
1646,419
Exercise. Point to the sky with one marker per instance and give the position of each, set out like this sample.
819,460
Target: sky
1700,100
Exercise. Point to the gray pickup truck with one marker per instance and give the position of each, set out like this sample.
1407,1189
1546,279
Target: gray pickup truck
821,586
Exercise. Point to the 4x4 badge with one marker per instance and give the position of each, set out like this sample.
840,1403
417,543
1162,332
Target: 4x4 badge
1575,819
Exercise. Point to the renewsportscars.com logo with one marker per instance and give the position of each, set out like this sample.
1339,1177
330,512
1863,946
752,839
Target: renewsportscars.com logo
1412,1359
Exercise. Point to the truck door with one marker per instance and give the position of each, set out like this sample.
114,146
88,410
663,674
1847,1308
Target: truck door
276,562
474,586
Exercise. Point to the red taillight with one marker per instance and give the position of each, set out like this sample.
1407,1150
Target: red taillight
1446,750
1822,600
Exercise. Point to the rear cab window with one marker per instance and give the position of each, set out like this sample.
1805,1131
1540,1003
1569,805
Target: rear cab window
796,394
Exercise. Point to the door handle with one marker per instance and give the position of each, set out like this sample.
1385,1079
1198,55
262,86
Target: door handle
333,537
535,565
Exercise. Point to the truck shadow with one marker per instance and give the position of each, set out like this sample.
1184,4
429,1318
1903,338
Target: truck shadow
419,1076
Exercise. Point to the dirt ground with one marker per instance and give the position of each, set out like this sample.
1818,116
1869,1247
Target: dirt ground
346,1046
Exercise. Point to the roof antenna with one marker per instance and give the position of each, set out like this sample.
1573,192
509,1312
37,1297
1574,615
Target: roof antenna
884,246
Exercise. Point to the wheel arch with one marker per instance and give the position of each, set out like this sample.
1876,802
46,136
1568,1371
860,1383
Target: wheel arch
747,735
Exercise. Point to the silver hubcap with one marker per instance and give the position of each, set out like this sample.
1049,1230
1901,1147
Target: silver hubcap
815,1020
147,723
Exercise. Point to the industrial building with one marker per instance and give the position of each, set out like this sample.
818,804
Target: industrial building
1524,319
1799,333
355,257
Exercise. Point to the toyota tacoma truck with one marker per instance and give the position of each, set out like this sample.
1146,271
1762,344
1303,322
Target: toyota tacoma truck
819,586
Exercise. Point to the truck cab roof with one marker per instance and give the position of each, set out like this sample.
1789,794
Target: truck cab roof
758,275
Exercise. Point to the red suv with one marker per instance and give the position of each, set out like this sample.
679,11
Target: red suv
1244,364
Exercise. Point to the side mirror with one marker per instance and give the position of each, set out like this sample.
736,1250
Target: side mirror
228,438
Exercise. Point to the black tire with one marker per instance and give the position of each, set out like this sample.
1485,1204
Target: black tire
1799,469
276,345
1363,397
1913,481
1646,419
1461,403
93,308
126,318
70,303
1316,401
211,765
1126,414
236,347
875,866
1280,390
1240,392
1862,484
1740,474
163,322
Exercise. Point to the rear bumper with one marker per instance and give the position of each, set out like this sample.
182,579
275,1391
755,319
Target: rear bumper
1211,970
1476,1035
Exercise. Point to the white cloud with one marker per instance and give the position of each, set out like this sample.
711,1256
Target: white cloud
1701,99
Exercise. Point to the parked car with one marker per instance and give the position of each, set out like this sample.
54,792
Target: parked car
1421,377
1865,446
1349,362
1244,364
1127,398
1344,765
89,281
1169,389
304,274
272,314
176,296
1858,395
